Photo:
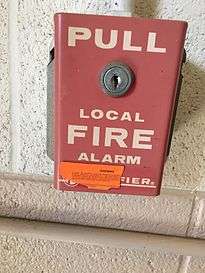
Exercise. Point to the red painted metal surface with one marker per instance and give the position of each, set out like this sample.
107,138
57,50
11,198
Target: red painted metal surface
153,49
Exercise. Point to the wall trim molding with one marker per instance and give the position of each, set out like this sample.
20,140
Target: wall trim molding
102,237
48,180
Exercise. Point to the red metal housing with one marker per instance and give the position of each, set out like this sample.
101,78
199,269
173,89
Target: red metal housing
132,130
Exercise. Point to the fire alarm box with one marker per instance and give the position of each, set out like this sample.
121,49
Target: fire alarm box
115,83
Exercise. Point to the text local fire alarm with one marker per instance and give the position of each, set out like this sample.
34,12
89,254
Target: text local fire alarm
116,82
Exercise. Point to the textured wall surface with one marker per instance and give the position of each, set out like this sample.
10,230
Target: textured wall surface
186,166
4,89
196,265
55,257
21,197
32,199
50,257
173,213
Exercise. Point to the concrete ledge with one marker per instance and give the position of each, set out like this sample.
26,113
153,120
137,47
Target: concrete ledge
102,237
175,212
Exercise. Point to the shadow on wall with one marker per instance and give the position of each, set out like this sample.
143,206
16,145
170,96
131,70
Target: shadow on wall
146,8
192,97
186,164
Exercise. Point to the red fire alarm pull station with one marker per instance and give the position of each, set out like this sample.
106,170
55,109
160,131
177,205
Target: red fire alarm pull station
116,83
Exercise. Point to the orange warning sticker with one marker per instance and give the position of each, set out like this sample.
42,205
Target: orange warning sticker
93,176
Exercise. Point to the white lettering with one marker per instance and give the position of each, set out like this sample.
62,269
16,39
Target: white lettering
137,118
136,180
93,159
74,131
127,42
133,160
78,33
120,159
99,39
82,114
82,33
151,44
112,115
83,157
96,136
117,134
107,158
142,135
97,114
126,116
146,181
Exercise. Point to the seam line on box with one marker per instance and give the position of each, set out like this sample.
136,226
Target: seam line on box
14,85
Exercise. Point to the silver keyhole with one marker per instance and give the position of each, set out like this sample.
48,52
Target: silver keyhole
116,79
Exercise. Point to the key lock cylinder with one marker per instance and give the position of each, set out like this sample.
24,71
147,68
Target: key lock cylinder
116,79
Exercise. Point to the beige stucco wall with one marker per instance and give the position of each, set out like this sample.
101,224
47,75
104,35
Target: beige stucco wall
23,149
